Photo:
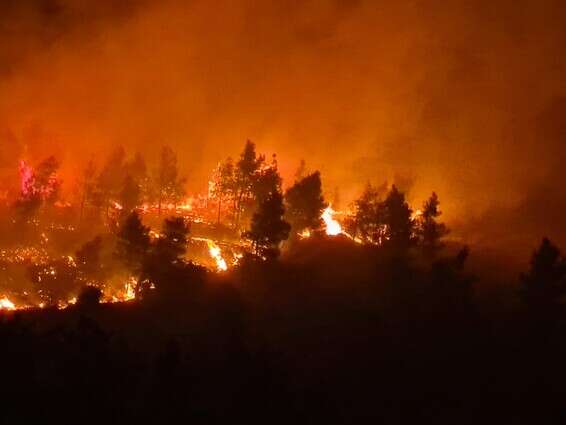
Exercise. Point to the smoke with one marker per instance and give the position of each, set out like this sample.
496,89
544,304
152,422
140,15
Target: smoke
464,98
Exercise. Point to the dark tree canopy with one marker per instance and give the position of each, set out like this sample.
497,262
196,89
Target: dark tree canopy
367,223
545,283
305,203
268,228
130,195
133,241
429,230
246,168
397,219
266,181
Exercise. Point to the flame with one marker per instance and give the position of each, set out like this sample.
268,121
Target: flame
216,253
6,304
26,178
333,228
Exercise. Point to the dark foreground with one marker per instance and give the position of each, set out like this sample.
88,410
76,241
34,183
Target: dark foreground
341,337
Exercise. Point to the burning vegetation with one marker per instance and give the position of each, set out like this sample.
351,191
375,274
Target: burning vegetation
245,211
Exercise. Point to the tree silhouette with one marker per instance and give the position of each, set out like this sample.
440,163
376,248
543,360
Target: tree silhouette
130,195
110,179
89,297
266,181
88,186
268,228
368,221
305,203
165,267
223,183
89,262
429,231
246,167
133,242
172,242
136,168
397,219
169,186
545,283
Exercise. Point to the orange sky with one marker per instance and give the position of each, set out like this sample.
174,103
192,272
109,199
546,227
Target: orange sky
465,98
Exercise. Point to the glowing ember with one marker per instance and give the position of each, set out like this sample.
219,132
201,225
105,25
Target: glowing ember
333,228
6,304
216,253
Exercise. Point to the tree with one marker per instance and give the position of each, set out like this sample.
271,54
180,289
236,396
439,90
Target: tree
246,167
164,267
130,194
397,219
429,231
46,182
268,228
367,223
136,168
170,188
110,179
88,185
89,262
545,283
89,297
172,242
223,183
305,203
38,186
133,242
266,181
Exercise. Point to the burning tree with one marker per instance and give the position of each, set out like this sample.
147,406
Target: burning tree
305,203
38,186
268,228
223,183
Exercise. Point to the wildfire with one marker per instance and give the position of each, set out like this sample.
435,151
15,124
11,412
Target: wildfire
216,253
333,228
6,304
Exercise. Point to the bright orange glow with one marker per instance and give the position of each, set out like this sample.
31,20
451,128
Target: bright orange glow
6,304
333,228
216,253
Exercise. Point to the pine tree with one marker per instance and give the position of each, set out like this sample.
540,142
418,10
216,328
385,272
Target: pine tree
246,168
429,231
268,228
545,283
133,242
305,203
397,220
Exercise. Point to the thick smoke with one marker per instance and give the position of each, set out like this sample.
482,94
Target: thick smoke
465,98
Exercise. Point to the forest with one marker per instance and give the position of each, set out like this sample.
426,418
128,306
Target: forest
261,301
